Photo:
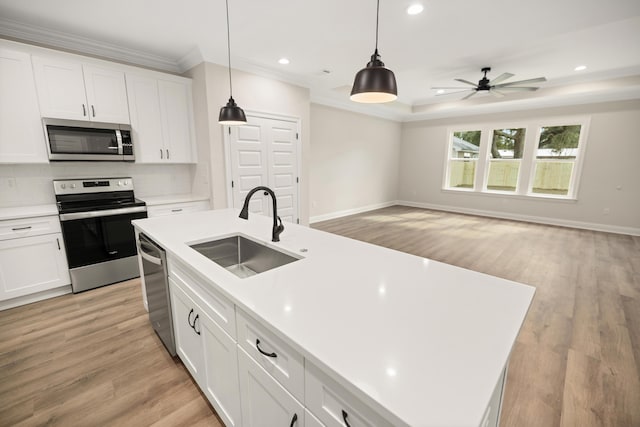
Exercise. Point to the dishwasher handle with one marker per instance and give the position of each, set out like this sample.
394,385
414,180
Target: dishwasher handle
146,255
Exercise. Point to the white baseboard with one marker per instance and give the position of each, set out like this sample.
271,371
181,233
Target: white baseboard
518,217
339,214
39,296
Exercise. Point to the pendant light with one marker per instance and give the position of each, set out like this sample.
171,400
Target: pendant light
231,114
375,83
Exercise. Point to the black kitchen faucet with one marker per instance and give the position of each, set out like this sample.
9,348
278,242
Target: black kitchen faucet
277,228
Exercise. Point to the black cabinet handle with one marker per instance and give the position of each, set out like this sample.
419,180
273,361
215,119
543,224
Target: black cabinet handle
84,111
294,419
189,318
93,110
264,352
194,324
344,417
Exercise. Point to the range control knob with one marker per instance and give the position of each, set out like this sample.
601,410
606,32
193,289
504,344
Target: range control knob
119,183
73,186
126,182
63,186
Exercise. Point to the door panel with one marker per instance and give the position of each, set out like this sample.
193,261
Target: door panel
264,152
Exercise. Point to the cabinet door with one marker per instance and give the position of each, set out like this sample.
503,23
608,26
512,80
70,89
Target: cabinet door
61,91
21,132
146,120
32,264
177,121
221,370
188,342
264,401
106,95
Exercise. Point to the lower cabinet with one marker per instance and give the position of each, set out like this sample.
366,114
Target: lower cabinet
208,352
264,401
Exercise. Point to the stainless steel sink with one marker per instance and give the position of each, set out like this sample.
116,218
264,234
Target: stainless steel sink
241,256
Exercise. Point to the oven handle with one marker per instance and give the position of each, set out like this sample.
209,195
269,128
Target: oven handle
97,214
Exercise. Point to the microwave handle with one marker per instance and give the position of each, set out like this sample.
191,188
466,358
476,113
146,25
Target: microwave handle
119,139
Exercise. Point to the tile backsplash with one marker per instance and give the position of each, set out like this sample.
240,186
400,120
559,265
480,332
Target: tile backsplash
26,185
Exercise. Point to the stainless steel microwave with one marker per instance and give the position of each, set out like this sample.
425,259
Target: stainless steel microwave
89,141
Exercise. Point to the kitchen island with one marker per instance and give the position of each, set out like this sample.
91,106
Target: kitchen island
362,335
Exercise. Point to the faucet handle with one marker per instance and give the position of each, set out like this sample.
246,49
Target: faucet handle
277,230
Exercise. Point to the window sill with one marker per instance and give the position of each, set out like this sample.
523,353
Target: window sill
503,194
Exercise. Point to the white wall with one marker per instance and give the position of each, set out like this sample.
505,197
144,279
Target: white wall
260,94
26,185
354,162
611,160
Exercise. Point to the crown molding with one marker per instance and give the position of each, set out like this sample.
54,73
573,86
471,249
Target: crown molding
83,45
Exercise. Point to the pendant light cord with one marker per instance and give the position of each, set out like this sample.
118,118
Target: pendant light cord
377,18
229,49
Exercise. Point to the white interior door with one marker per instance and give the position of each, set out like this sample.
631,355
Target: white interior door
265,152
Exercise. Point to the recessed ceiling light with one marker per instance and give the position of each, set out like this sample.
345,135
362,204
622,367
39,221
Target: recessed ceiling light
283,61
440,91
580,68
415,9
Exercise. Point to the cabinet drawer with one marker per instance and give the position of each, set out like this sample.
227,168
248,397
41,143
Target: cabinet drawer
177,208
280,360
332,404
27,227
219,308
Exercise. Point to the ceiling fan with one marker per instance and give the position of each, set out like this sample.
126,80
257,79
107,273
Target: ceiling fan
494,87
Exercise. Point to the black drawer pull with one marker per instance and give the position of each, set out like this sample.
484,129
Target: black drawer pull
28,227
264,352
294,419
344,417
194,324
189,318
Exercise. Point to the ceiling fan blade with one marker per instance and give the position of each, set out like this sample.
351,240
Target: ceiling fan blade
520,89
451,93
451,87
470,95
536,80
466,81
501,77
496,93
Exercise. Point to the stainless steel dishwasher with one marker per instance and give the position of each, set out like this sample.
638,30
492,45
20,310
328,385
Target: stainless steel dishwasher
154,266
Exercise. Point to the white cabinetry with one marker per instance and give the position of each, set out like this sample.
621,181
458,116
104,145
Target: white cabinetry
21,134
71,90
32,257
207,351
264,401
161,119
177,208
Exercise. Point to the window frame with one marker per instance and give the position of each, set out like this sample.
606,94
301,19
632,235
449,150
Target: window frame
527,169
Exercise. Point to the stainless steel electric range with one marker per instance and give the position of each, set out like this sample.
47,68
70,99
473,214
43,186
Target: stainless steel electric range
96,216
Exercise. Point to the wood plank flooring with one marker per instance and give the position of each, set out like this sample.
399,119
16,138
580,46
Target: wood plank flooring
577,359
92,359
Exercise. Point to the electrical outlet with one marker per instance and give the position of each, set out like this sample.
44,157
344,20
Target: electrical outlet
11,182
606,211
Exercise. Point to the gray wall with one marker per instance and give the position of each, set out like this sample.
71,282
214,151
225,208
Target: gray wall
611,160
354,162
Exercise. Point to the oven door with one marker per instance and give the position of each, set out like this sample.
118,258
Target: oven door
100,236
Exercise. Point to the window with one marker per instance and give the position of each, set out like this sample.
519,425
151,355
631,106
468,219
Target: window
540,159
555,159
507,148
463,157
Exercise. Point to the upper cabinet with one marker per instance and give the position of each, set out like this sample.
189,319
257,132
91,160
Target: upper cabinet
21,134
71,90
161,118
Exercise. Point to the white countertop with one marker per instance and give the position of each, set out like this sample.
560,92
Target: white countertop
28,211
422,341
172,198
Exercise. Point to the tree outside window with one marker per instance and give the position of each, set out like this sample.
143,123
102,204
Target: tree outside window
507,148
463,157
555,159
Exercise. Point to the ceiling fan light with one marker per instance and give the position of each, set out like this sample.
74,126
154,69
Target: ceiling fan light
231,114
375,83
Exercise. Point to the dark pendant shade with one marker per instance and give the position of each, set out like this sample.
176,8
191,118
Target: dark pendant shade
375,83
231,114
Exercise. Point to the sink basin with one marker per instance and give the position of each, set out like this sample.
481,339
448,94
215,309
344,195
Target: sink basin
241,256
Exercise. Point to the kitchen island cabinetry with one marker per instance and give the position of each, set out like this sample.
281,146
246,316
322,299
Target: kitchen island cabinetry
32,258
72,90
21,136
349,333
161,118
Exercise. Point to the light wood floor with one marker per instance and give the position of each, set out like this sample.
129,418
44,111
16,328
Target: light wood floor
577,359
92,359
